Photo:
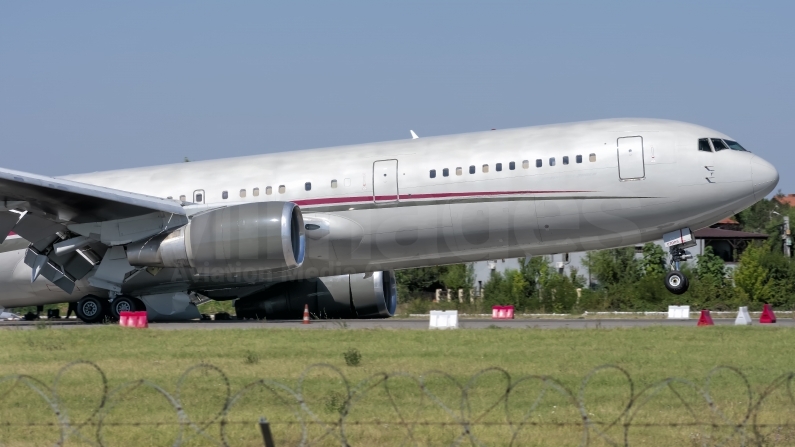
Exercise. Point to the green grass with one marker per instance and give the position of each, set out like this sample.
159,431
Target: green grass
650,355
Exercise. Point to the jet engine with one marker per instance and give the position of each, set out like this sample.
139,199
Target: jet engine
267,236
370,295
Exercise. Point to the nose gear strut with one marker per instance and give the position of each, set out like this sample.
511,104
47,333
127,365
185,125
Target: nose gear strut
676,241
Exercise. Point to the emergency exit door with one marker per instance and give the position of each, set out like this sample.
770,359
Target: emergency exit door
385,181
630,158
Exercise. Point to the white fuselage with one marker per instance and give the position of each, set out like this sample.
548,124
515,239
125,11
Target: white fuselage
375,206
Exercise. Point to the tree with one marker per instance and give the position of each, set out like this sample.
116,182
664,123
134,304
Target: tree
614,266
654,260
757,218
710,266
459,276
752,277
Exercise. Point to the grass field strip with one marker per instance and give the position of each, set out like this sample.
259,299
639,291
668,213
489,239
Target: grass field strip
433,408
694,314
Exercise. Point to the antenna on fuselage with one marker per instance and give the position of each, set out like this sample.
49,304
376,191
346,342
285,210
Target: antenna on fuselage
413,135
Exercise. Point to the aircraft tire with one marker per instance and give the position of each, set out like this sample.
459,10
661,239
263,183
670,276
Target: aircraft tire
676,282
124,304
92,309
139,304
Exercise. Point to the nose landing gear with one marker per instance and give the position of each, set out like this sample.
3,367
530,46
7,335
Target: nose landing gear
676,241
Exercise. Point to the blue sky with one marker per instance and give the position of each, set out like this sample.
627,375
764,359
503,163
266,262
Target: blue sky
88,86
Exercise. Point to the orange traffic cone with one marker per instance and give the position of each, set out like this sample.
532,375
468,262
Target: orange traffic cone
306,314
767,315
705,319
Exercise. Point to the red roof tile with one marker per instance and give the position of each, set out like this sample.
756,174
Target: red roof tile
788,200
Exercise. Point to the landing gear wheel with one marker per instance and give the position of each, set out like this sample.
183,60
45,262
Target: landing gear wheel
91,309
676,282
123,304
139,305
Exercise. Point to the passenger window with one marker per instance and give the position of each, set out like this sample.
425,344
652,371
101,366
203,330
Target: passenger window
579,159
472,169
333,183
566,160
199,198
308,186
592,157
459,171
718,144
182,198
268,190
224,195
499,167
552,161
242,193
539,163
255,192
512,165
433,173
703,145
446,172
281,189
485,168
525,164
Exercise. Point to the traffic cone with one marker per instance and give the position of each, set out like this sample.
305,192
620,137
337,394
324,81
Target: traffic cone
743,317
306,314
705,319
767,316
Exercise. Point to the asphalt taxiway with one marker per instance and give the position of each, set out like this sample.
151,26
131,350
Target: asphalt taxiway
399,323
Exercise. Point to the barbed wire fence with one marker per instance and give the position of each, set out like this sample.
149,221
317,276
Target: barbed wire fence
490,408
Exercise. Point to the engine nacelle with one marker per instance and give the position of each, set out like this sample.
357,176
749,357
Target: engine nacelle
266,236
372,295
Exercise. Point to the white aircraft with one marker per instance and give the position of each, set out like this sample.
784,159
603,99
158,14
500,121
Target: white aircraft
327,227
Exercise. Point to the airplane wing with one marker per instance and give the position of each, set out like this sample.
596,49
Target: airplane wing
70,224
70,201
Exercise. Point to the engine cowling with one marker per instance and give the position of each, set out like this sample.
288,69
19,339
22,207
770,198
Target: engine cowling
266,236
371,295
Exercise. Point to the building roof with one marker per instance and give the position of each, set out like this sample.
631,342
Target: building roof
720,233
728,221
788,200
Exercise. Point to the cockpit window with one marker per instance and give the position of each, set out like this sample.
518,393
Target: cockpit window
718,144
735,146
703,145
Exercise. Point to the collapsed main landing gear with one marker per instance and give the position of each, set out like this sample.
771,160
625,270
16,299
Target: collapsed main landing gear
676,241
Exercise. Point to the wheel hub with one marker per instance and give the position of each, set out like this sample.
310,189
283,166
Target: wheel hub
123,306
90,309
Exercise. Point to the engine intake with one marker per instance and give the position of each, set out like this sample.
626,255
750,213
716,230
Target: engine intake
372,295
252,237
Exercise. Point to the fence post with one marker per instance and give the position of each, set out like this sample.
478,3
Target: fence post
438,295
448,295
461,295
265,427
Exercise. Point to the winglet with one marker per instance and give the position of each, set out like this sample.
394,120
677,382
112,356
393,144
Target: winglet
413,135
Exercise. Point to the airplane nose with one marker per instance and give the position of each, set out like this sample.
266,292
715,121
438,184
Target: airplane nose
764,177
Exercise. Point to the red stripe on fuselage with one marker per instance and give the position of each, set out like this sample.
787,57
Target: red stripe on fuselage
443,195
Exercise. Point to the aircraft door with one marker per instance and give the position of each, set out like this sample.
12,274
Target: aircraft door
198,196
385,181
630,158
